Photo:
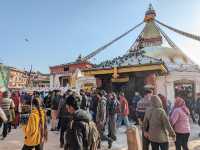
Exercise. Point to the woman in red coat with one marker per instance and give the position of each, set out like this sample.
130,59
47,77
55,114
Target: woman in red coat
16,99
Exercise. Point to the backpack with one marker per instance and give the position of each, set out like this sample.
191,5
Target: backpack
93,137
113,107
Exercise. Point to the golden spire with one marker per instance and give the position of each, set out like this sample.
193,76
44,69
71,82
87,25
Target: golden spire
150,14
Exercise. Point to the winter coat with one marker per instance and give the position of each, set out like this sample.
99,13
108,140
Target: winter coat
112,106
32,130
142,106
7,105
16,100
62,111
47,101
101,111
156,122
124,106
55,102
197,107
180,121
85,102
77,135
135,100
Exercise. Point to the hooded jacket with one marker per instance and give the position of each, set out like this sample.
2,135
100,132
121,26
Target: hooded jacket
156,122
77,135
101,111
32,130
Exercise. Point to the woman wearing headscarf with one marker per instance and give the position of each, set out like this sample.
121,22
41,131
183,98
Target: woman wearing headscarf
35,130
180,121
157,126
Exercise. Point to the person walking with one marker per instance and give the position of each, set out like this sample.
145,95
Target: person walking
85,103
47,105
7,104
101,117
80,135
156,124
63,116
179,118
135,100
124,110
142,106
16,99
112,106
54,110
35,131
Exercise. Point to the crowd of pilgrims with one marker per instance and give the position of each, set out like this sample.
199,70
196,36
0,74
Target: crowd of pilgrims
84,119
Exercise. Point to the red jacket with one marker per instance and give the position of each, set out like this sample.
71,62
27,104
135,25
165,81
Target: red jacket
16,100
124,106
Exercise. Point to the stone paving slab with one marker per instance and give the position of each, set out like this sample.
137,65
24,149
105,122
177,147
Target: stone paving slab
14,141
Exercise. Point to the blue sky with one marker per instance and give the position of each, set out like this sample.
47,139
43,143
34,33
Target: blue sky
59,30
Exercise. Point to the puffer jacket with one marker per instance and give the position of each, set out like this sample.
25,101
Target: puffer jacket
77,136
156,122
32,130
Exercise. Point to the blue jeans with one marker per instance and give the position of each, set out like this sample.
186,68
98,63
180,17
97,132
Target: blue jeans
123,119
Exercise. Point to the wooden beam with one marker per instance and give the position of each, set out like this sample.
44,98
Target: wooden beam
127,69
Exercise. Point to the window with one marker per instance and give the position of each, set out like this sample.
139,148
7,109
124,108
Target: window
66,68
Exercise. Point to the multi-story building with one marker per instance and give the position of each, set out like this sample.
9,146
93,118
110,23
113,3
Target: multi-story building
21,79
17,78
40,80
70,75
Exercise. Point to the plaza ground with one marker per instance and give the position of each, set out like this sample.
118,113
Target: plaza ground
14,141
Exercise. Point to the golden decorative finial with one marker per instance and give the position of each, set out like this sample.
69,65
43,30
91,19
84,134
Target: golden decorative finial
150,14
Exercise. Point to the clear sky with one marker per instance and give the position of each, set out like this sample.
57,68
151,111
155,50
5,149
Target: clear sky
59,30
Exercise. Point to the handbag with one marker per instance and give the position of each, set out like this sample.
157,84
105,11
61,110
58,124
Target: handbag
12,114
3,115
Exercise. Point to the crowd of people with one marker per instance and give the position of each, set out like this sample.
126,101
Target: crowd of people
84,119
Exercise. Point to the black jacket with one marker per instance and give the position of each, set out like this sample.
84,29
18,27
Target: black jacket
85,102
55,102
77,135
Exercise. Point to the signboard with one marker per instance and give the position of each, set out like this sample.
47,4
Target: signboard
3,77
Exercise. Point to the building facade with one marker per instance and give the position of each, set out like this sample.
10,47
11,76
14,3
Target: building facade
70,76
17,78
21,79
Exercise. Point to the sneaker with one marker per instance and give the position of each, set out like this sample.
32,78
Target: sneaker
110,144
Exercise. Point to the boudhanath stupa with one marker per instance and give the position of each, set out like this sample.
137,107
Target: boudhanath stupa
184,75
153,45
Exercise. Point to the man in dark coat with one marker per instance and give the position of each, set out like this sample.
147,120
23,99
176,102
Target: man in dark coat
64,116
54,109
85,103
77,134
